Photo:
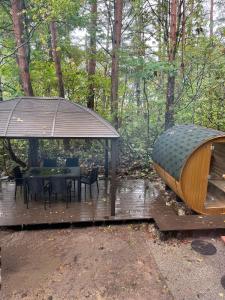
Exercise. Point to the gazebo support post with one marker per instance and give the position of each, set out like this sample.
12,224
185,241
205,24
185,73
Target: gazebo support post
106,158
33,152
114,162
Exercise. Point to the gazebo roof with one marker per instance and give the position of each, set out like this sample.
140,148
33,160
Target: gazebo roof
51,118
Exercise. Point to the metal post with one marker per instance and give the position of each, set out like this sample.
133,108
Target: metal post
114,156
114,162
106,158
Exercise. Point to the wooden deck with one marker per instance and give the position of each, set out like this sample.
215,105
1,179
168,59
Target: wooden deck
133,202
167,220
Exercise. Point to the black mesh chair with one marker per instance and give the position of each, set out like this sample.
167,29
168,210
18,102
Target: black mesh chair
18,177
72,162
61,185
36,186
90,179
50,163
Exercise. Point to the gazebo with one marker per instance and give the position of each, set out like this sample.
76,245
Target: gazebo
35,118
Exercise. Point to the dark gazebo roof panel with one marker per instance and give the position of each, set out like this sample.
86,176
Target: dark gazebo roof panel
51,117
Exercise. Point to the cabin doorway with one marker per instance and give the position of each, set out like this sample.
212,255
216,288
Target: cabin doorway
216,179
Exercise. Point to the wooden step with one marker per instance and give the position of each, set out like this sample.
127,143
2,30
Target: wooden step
168,221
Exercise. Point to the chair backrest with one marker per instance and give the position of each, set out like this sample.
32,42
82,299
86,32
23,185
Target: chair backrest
35,185
94,175
50,163
58,184
72,162
17,173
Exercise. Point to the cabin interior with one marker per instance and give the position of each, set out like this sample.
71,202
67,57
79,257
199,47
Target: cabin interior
216,179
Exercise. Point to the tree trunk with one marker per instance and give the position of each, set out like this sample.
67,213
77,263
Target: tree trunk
18,17
139,50
8,147
22,52
169,115
1,90
118,7
211,17
56,58
92,60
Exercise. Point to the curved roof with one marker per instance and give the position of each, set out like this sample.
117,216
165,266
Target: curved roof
51,118
174,146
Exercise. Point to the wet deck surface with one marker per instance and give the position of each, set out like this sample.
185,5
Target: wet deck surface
134,199
167,220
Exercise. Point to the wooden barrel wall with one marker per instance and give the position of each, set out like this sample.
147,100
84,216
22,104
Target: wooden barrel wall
189,175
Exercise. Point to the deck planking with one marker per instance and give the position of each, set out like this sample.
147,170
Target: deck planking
133,202
167,220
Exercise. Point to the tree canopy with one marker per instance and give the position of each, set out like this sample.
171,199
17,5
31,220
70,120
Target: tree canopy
143,64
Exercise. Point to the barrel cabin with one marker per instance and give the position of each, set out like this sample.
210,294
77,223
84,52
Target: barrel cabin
191,161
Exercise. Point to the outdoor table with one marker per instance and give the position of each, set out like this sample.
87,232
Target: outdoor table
73,175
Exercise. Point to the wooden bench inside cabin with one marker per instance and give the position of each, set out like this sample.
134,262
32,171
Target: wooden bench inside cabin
220,184
216,194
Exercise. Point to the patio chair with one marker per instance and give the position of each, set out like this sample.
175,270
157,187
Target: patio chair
18,177
61,185
90,179
72,162
36,186
50,163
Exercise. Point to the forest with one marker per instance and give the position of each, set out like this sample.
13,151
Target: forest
144,65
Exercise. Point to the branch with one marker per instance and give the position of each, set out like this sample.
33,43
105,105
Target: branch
21,45
12,155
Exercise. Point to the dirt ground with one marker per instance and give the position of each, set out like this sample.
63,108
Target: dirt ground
81,263
108,262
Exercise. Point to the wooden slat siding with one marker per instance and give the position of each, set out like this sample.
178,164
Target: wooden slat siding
131,204
37,117
170,181
218,162
194,179
192,187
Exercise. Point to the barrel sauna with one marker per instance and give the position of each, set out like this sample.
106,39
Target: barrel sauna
191,161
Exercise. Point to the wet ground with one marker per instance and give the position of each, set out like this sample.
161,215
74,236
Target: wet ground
121,262
89,263
109,262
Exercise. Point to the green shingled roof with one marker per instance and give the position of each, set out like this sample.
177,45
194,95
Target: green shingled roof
173,147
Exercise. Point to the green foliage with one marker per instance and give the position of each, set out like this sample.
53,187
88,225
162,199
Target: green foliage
199,69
